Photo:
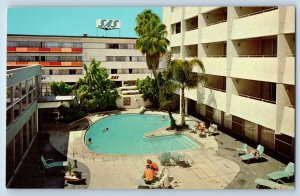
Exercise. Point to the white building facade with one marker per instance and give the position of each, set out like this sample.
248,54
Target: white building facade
249,59
62,57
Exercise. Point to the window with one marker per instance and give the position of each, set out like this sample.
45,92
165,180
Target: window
110,58
42,58
50,72
112,46
113,71
72,71
130,71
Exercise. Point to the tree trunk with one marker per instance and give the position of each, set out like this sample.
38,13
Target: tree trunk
182,109
156,78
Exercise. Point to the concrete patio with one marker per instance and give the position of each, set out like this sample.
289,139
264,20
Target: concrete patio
214,165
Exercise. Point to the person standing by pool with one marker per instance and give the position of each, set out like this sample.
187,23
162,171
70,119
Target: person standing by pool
148,175
89,141
105,129
152,165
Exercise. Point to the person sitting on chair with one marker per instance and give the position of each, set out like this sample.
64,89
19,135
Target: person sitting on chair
148,175
255,153
152,165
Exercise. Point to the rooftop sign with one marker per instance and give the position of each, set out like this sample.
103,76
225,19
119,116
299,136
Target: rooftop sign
108,24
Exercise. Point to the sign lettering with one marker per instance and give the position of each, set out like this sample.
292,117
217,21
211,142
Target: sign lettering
108,24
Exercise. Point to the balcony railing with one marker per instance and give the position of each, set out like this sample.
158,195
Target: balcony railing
258,55
256,98
192,28
218,22
259,12
215,56
216,89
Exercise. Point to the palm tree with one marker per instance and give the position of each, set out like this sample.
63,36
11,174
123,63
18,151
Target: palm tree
181,71
152,39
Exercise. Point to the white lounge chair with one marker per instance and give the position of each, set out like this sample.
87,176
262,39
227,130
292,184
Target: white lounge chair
50,163
162,183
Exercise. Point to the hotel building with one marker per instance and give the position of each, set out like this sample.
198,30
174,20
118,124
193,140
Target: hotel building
21,116
62,57
249,59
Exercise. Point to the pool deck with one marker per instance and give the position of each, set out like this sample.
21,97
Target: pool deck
214,165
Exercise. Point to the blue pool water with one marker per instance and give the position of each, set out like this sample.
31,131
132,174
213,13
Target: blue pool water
126,135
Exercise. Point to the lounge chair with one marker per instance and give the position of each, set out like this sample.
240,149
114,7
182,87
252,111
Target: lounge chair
243,149
162,172
247,157
271,184
142,110
50,163
163,182
212,129
166,159
180,159
288,172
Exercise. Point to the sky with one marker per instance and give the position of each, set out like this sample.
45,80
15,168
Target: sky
73,21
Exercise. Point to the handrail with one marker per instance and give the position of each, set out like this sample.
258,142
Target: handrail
259,12
258,55
209,87
191,29
213,56
256,98
214,23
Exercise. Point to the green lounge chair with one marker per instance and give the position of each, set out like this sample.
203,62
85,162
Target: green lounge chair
271,184
288,172
166,159
243,149
50,163
250,156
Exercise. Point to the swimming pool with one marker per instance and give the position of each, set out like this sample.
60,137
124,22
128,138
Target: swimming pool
125,135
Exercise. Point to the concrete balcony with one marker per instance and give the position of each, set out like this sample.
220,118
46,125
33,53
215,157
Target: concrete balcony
214,33
65,78
261,24
176,40
191,37
124,65
213,98
190,12
208,9
288,122
289,25
176,15
255,68
289,71
253,110
214,66
189,93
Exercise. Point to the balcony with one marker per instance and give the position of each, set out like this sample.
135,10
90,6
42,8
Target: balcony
253,109
214,65
176,15
255,68
189,93
264,23
208,9
124,65
65,78
190,12
288,122
289,71
191,37
215,32
289,23
46,64
213,97
176,40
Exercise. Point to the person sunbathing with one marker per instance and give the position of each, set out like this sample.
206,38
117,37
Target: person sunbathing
148,175
152,165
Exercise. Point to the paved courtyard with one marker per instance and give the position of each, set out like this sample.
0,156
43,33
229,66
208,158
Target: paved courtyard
214,165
